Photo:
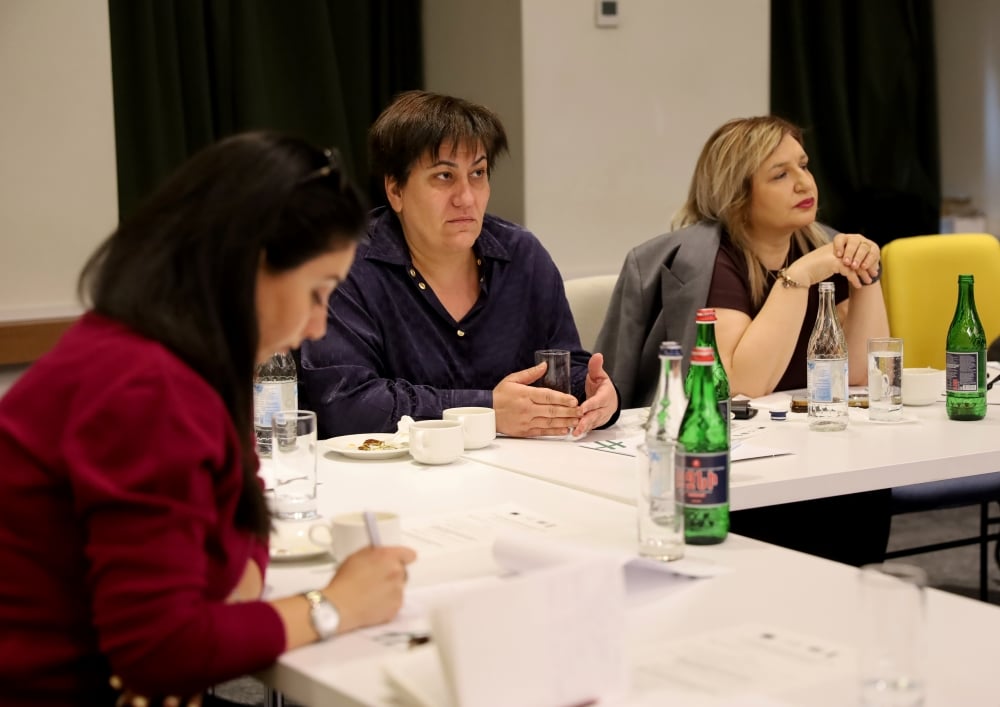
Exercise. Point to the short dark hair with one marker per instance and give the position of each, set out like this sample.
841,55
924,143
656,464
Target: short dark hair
417,122
182,270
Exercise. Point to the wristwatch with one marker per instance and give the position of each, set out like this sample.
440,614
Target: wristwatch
324,615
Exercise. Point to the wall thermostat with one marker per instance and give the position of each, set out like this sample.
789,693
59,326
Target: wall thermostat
606,13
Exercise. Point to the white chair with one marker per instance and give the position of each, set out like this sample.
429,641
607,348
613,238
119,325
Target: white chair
588,301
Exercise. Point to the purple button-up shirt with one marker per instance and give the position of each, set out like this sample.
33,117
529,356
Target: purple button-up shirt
392,349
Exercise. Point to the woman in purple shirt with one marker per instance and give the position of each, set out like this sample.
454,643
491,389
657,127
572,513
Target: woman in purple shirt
445,305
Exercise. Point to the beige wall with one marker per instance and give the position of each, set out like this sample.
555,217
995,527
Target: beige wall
473,50
58,189
968,59
611,119
605,124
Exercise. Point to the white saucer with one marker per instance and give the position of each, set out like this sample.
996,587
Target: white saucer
287,554
348,446
290,541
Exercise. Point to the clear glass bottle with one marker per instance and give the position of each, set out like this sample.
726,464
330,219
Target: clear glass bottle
703,457
705,336
275,387
826,366
668,404
660,511
965,358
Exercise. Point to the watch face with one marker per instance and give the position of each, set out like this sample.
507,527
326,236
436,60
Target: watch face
325,618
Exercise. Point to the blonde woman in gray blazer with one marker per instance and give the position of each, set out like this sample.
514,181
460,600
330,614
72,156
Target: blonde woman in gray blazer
751,216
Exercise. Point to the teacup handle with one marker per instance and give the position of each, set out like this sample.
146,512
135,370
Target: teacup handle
327,543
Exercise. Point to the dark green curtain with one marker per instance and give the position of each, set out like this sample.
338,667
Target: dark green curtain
188,72
859,76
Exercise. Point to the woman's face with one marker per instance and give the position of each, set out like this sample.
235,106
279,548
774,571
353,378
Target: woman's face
783,196
442,203
292,304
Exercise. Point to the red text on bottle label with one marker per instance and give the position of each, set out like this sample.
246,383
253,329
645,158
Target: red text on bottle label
706,478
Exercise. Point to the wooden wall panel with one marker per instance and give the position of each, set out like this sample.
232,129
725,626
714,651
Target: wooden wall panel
25,341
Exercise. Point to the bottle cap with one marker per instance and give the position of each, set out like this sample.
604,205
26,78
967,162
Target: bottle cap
706,314
671,349
702,356
779,415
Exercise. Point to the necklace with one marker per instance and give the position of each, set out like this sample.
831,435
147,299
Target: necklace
774,274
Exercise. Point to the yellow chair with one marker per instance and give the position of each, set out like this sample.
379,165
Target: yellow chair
920,283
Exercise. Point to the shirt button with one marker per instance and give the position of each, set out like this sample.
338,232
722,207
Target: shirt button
461,333
413,273
422,286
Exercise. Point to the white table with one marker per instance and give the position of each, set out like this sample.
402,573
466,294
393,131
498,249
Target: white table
864,457
769,585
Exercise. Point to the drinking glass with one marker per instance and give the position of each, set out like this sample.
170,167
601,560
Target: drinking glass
892,641
885,379
661,521
557,372
293,454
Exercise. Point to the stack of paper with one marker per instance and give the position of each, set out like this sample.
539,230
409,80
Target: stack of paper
550,633
554,636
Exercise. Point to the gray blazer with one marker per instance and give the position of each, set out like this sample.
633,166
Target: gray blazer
663,282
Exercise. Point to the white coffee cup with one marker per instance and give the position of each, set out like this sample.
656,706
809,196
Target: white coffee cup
479,425
346,533
922,386
436,441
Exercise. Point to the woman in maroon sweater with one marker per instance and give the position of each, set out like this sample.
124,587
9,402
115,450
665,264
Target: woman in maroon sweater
133,527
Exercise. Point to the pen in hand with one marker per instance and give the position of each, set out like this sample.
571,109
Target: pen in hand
372,527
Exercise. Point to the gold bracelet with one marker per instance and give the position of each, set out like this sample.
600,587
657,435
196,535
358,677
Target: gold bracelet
787,281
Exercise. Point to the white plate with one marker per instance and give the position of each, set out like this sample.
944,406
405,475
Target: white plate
348,446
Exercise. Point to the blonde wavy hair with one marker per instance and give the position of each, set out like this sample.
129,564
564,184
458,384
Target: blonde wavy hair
722,188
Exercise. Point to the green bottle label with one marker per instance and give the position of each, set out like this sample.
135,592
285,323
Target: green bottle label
962,371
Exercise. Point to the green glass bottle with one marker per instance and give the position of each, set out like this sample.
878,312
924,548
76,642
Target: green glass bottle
705,336
703,457
965,358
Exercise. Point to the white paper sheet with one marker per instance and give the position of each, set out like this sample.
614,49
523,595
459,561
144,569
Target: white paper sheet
437,535
742,430
518,552
554,636
740,667
748,659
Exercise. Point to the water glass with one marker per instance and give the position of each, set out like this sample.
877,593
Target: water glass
557,372
293,455
885,379
892,640
660,515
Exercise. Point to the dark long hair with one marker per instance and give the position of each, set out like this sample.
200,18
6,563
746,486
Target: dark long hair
182,270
